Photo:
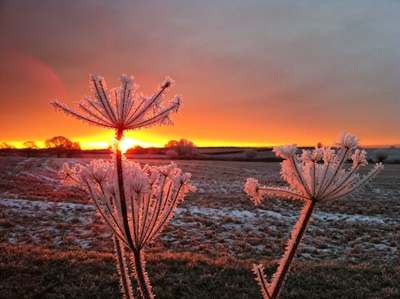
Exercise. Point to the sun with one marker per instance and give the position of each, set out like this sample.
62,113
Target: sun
127,143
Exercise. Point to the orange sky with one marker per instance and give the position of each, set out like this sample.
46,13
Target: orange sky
251,73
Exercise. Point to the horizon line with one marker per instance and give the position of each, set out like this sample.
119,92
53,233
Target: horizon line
84,148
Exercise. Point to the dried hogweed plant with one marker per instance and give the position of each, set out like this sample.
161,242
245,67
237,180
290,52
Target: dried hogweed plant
136,202
314,176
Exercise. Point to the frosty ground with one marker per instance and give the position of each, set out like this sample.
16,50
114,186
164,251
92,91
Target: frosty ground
217,221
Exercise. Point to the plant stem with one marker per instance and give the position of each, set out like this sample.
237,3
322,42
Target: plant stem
123,270
297,236
141,275
121,189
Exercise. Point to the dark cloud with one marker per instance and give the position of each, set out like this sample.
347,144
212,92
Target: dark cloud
321,64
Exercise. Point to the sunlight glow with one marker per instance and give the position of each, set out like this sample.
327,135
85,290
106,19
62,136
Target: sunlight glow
95,144
127,143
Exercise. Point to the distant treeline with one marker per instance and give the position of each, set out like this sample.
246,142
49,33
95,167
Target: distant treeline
179,150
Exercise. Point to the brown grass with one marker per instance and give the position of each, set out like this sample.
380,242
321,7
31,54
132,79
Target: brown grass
53,250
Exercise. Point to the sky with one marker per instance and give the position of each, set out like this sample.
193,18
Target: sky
251,73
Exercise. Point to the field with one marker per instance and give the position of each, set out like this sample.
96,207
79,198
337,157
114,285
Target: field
54,245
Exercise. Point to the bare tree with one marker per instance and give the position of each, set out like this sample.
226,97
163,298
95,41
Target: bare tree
137,149
5,148
381,155
250,153
183,147
63,146
172,154
30,148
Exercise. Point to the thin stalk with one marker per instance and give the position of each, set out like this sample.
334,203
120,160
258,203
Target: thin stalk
121,189
121,265
122,269
141,275
300,176
290,253
342,160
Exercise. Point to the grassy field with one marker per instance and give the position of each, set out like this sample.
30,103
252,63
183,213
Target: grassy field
53,245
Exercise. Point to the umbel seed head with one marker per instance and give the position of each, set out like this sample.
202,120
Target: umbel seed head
122,108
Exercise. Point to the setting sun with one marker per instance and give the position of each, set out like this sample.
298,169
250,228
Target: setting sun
127,143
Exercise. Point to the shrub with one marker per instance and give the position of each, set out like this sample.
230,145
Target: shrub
172,154
250,154
183,147
381,155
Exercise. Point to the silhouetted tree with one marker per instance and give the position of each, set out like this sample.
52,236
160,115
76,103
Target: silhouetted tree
63,146
137,149
172,154
171,144
381,155
250,153
30,148
183,147
5,148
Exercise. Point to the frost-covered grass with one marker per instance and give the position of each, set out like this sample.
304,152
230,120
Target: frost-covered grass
53,245
29,271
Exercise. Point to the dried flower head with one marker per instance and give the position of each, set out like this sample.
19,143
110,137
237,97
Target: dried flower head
151,196
123,108
347,141
310,179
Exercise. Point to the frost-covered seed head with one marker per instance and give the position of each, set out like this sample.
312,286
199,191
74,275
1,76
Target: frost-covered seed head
347,141
309,180
122,108
285,151
328,155
252,188
359,158
147,196
312,156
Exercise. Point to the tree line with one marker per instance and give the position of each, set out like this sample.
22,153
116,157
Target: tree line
63,147
58,145
173,149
